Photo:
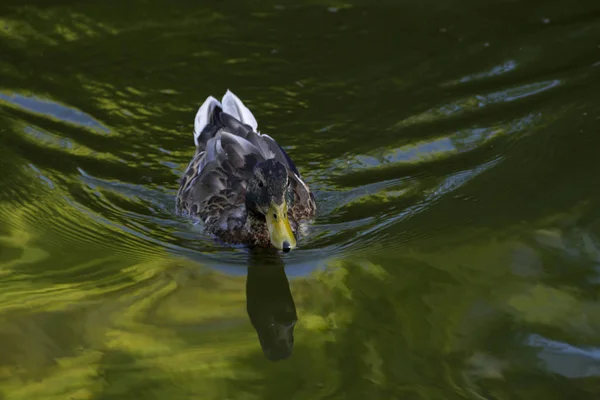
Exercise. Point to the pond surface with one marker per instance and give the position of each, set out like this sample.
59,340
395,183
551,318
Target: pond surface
453,150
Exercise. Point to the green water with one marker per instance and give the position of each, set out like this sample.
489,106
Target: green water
453,150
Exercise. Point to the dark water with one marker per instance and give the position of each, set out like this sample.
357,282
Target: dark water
453,149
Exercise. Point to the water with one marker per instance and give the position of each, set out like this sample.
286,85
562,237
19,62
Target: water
452,147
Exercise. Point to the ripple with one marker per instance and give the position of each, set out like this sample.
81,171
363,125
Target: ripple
349,221
501,69
565,359
54,110
478,102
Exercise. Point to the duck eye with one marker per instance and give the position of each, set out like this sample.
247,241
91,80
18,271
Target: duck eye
260,184
275,216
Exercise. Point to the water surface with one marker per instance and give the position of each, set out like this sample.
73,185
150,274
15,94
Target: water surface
452,148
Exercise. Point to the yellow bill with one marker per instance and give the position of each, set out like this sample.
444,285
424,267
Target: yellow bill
280,232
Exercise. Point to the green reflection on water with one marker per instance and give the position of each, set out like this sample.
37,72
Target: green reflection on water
453,150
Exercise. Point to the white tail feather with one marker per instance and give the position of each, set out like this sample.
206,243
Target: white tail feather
203,116
233,105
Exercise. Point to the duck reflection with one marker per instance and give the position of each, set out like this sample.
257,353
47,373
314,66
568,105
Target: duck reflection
270,306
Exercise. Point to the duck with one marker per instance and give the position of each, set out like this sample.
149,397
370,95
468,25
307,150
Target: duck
241,184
